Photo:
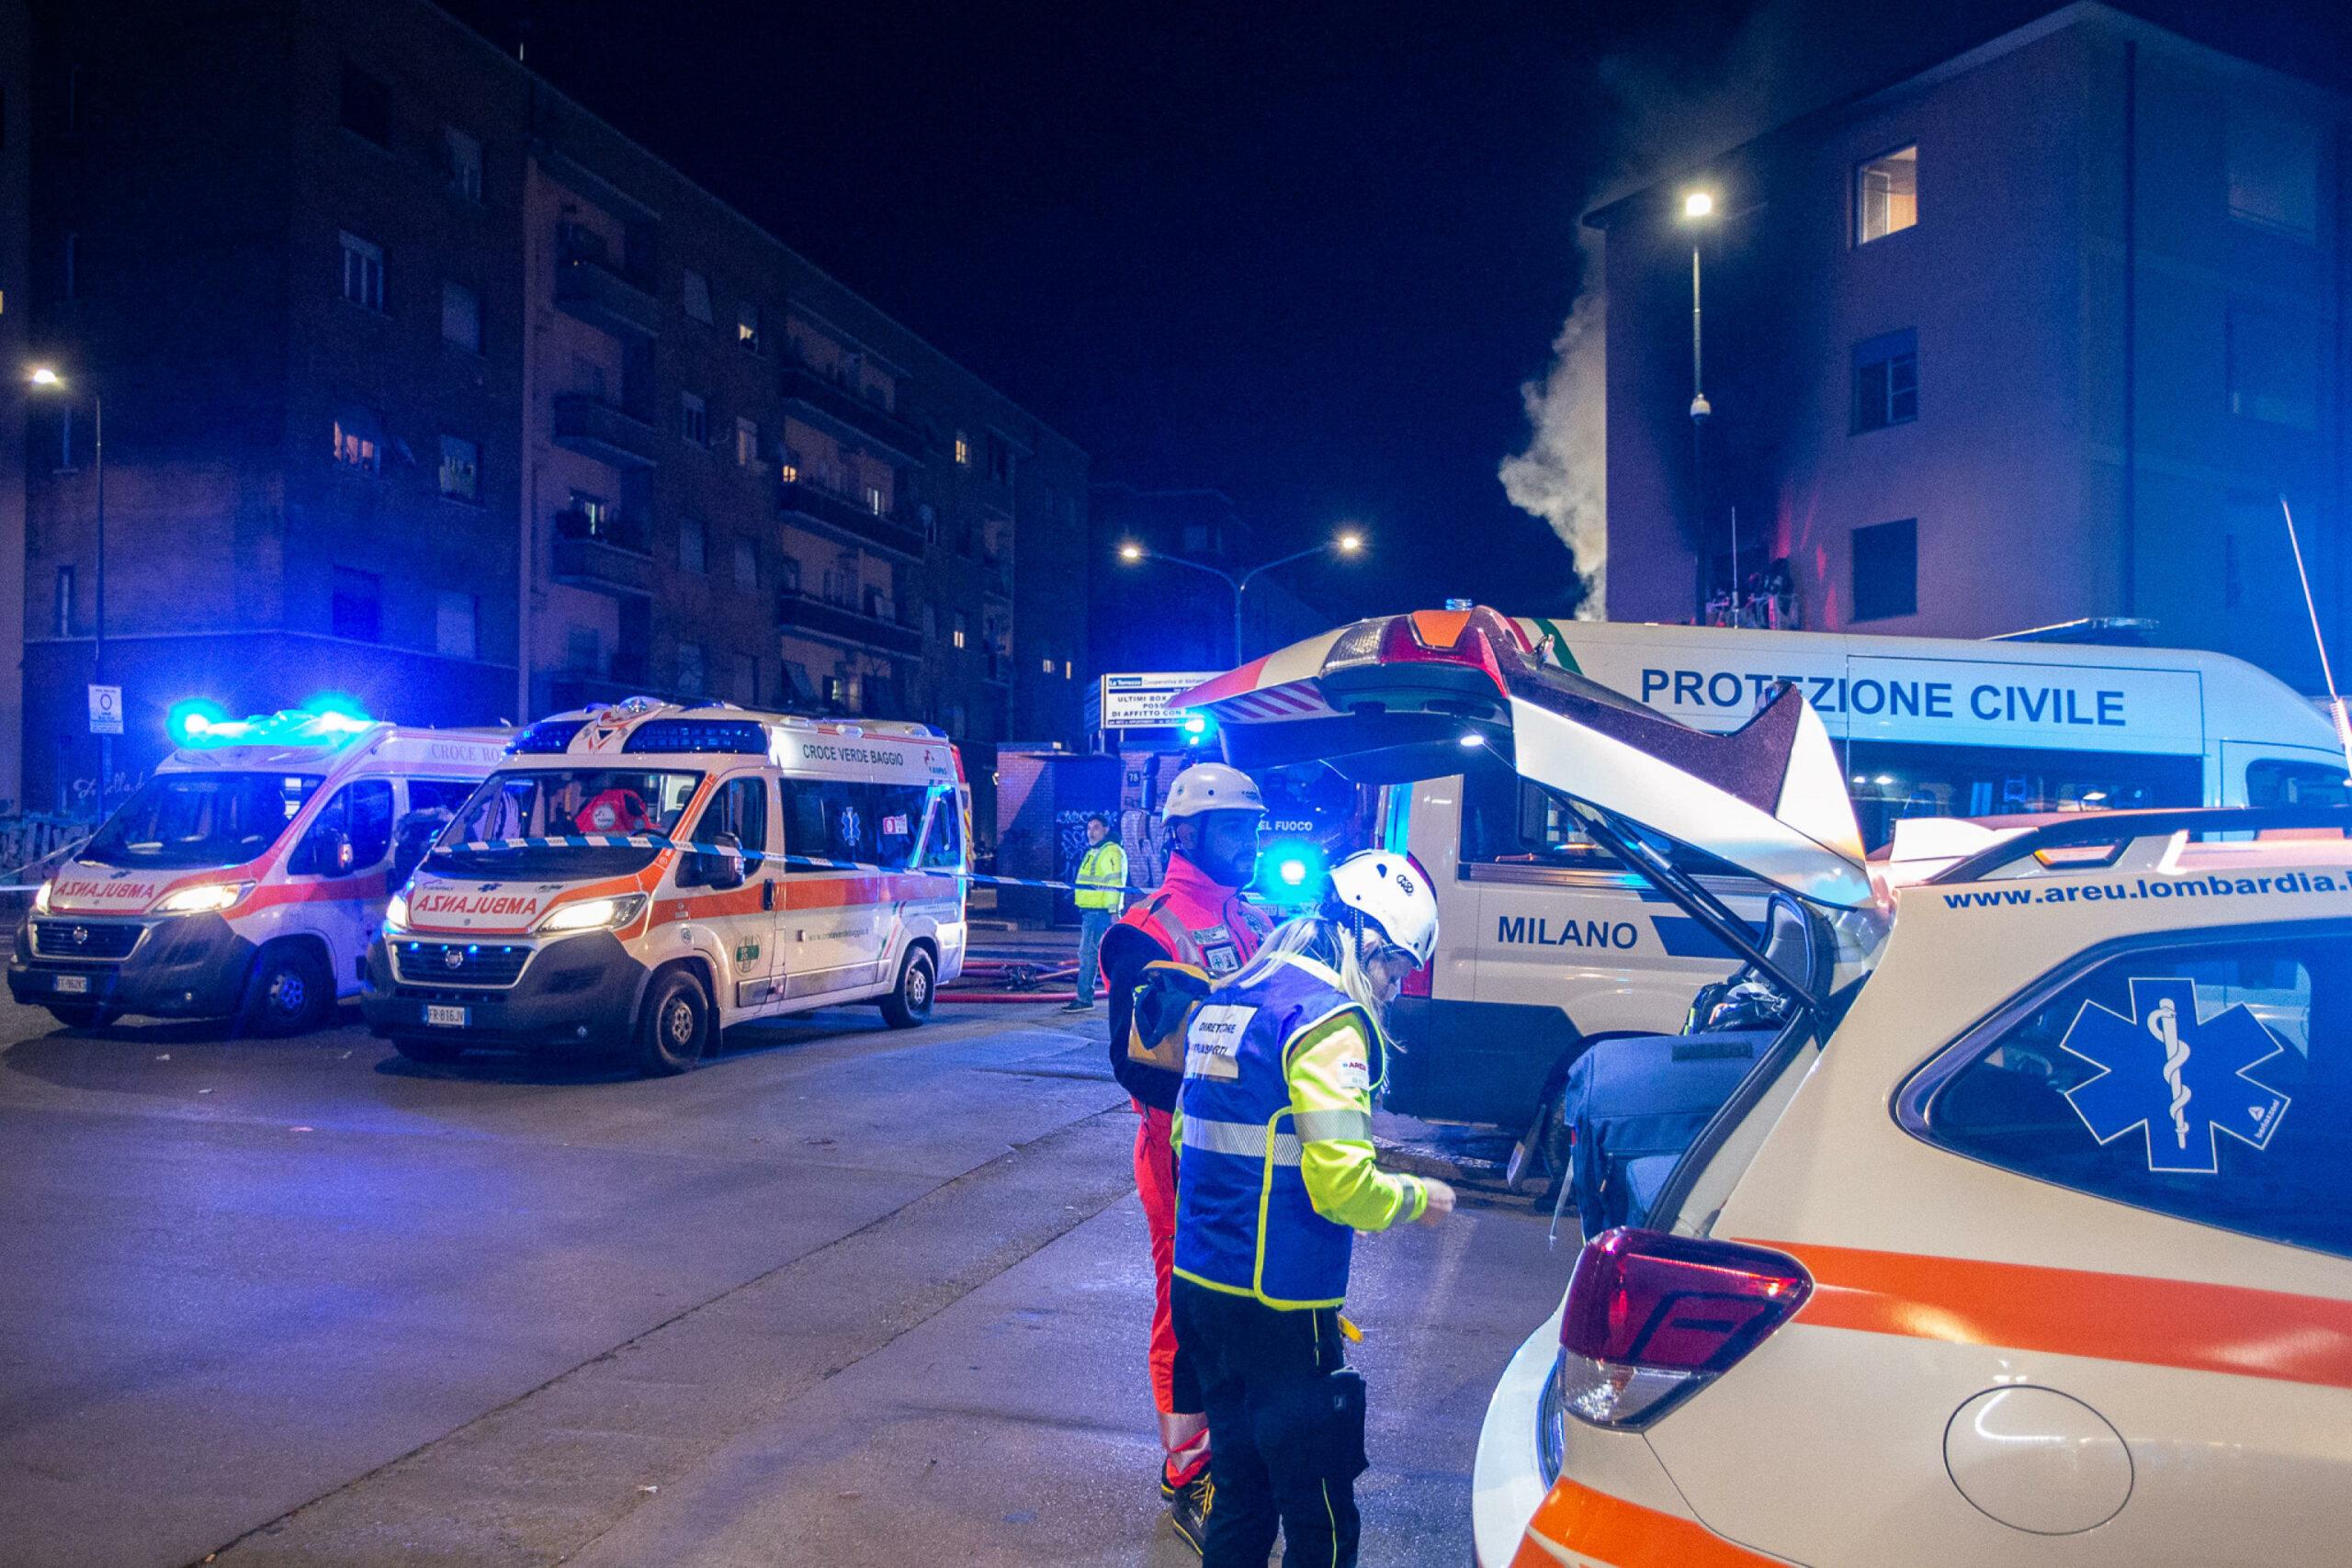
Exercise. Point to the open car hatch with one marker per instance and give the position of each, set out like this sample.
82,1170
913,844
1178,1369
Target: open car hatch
1402,697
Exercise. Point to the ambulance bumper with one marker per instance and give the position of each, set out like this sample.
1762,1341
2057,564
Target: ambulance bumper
576,996
179,967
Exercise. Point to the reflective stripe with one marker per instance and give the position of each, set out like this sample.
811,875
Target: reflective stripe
1315,1126
1578,1525
1239,1138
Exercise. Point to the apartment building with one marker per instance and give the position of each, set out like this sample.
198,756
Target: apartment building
16,308
2042,333
429,388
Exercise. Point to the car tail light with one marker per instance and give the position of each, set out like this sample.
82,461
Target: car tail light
1652,1318
1459,642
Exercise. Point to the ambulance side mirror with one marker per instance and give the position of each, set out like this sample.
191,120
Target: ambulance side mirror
326,853
411,839
721,866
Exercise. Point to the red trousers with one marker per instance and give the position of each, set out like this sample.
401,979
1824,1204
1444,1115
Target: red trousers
1183,1428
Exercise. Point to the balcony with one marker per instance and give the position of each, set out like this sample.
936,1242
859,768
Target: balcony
594,428
592,290
829,511
569,689
874,628
609,554
811,392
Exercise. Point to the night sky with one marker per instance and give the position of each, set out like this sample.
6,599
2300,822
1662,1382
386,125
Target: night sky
1306,255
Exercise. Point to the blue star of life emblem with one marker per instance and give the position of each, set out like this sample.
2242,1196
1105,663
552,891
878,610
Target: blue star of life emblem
2178,1080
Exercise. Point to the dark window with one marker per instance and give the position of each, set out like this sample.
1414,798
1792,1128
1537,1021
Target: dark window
1890,780
872,823
740,808
694,292
2272,364
1886,570
692,538
2205,1077
2274,782
367,106
747,563
694,420
461,161
363,272
64,615
361,812
945,847
461,317
460,469
357,608
693,680
1887,381
1510,821
439,794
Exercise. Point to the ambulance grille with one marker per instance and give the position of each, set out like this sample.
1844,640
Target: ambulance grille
107,941
459,963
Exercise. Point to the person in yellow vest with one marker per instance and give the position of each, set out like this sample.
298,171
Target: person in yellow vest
1101,893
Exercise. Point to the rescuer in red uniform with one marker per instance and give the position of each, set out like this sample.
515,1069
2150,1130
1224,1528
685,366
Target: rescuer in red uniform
1197,919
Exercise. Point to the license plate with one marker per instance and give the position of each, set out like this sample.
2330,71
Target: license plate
74,985
448,1018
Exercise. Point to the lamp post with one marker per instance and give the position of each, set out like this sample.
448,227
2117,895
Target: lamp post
1347,542
1698,206
45,378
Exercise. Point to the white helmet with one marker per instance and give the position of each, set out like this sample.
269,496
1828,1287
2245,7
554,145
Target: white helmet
1392,892
1211,786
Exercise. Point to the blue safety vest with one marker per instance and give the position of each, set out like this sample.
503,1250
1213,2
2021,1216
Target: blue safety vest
1244,1222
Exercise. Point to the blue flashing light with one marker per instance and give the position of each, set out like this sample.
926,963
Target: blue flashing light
736,735
548,735
336,713
1197,728
1291,872
192,720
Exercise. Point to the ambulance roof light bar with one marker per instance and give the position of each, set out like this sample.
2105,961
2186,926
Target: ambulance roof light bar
2050,844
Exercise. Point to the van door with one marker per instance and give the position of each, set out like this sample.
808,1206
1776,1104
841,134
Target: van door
341,905
745,917
827,933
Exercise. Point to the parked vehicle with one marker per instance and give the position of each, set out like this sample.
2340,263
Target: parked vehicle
246,877
1552,942
638,877
2032,1242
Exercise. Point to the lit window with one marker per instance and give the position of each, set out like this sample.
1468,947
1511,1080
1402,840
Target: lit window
696,296
461,159
1049,667
1887,381
363,272
1066,670
747,325
961,630
460,469
592,516
874,499
2273,170
694,420
1886,194
962,450
747,442
454,624
2273,367
461,317
1886,570
357,449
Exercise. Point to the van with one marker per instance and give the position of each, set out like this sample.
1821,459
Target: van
1548,941
638,877
246,877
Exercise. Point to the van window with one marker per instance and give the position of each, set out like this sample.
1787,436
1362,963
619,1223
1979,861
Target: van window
1510,821
945,845
501,831
1892,780
192,819
2208,1077
2274,782
740,808
362,812
438,795
871,824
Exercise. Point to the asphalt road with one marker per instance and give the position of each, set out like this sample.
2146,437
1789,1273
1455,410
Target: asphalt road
841,1295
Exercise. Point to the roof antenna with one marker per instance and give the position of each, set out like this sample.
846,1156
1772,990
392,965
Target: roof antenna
2334,703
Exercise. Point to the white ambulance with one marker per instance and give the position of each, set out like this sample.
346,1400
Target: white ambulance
638,877
246,877
1549,942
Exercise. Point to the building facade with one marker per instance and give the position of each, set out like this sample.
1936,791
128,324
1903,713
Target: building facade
2039,334
15,310
427,387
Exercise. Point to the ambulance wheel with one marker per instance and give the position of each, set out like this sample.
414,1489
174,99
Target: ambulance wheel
289,992
909,1001
434,1052
676,1027
79,1015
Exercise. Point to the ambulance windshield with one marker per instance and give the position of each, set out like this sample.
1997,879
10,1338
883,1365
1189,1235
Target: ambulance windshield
198,819
563,822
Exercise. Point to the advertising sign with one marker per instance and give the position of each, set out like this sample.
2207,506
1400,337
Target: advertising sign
1139,700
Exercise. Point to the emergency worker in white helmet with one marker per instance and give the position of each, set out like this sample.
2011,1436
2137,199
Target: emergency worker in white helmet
1168,950
1275,1175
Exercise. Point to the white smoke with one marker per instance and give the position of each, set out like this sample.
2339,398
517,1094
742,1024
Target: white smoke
1561,475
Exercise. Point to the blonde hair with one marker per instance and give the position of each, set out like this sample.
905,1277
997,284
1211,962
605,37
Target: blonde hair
1327,941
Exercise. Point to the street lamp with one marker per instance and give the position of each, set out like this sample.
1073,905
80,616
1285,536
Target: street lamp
45,378
1698,206
1347,542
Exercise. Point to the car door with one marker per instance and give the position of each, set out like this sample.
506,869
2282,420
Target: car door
744,918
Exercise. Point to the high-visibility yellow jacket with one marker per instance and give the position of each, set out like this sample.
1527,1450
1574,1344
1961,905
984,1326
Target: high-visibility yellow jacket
1103,876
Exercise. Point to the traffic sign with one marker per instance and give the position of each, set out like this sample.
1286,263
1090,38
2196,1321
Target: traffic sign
105,710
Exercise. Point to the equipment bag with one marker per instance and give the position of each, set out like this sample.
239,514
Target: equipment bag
1164,1003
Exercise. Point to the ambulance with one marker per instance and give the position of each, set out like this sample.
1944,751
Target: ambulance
634,879
1550,941
246,877
2034,1242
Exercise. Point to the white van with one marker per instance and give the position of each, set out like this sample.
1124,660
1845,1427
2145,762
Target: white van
1548,943
246,877
641,876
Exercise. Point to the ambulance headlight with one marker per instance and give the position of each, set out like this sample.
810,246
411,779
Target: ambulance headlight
209,899
40,897
593,915
396,912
